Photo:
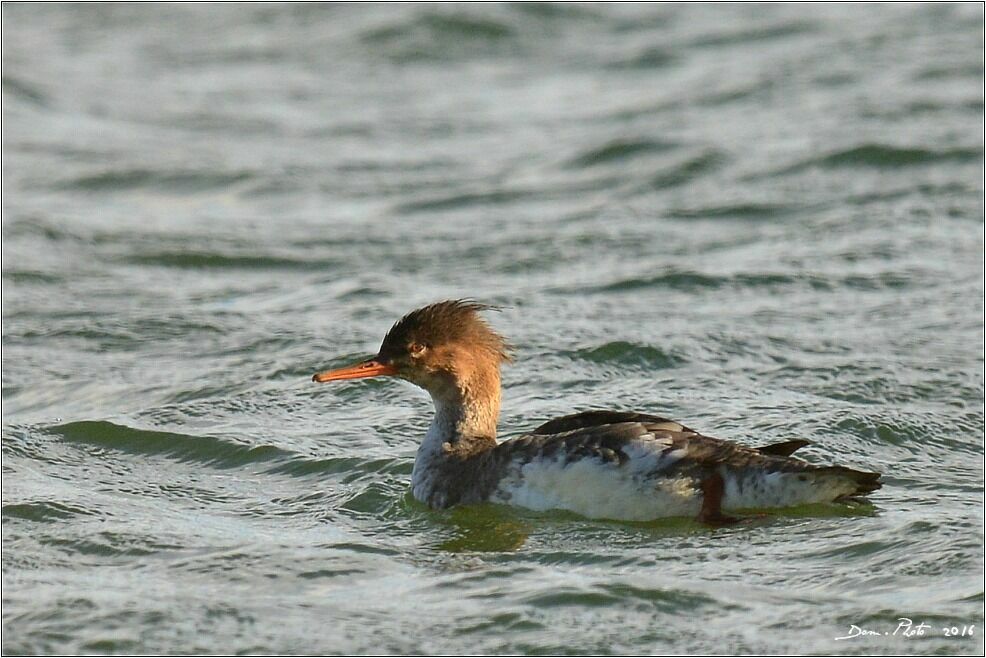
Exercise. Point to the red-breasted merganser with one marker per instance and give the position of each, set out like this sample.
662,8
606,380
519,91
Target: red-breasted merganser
600,464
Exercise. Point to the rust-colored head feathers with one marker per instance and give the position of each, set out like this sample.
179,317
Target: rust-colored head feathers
449,350
453,322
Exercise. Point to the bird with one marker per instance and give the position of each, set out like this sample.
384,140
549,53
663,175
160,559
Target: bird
600,464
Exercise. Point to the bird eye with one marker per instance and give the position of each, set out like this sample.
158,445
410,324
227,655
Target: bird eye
416,349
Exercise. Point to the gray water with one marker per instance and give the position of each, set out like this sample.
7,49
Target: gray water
764,221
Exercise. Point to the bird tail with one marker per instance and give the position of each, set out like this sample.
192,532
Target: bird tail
860,482
785,449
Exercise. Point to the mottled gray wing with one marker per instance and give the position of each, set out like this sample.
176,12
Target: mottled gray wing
596,418
606,443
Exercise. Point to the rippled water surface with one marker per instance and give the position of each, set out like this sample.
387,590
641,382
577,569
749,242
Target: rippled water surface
766,221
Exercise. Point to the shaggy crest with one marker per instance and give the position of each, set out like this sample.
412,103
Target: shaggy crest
451,321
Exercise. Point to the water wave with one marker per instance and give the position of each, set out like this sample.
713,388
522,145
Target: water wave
154,179
189,259
438,36
885,156
684,172
619,151
209,450
24,91
43,511
626,353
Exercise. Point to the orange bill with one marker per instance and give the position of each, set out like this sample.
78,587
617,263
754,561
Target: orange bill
370,368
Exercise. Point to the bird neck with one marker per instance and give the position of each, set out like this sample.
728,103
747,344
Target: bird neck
460,439
467,406
467,409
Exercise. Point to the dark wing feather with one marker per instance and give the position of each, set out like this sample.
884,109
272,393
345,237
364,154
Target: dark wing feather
785,449
595,418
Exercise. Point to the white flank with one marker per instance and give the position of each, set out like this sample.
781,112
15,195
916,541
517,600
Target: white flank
601,489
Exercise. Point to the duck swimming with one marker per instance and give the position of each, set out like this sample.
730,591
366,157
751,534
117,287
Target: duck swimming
600,464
